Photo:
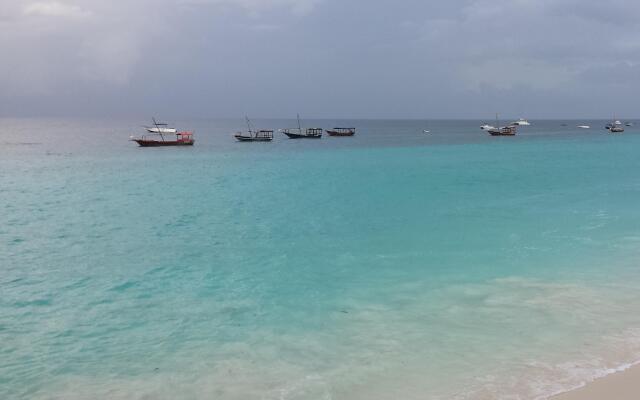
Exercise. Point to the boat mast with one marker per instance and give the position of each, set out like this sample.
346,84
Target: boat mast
158,128
249,125
299,127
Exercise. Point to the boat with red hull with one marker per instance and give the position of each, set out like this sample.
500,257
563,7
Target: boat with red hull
341,131
182,139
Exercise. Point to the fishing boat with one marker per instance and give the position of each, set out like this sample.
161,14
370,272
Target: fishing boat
509,130
160,127
341,132
262,135
298,133
182,139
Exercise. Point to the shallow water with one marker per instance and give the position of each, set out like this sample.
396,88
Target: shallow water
393,264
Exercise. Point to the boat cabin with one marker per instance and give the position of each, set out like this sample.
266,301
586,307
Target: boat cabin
264,134
314,131
184,137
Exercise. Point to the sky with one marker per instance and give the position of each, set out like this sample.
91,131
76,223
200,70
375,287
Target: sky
320,58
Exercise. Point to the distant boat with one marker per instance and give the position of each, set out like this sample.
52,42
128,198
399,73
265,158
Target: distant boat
159,127
298,133
502,130
181,139
629,124
615,127
486,127
252,135
521,122
426,131
584,126
341,131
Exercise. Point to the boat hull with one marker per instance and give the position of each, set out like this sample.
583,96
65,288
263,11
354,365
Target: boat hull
252,139
301,136
334,133
163,143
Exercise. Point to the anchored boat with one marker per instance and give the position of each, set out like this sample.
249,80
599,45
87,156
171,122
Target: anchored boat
157,137
298,133
615,127
262,135
159,127
502,130
182,139
341,132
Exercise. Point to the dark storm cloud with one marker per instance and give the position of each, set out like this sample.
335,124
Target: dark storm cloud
324,58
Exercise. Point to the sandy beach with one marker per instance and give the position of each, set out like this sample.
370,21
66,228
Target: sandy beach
623,385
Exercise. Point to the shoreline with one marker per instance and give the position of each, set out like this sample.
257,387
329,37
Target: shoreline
621,384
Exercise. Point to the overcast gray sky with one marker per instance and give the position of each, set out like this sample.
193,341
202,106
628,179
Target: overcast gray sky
321,58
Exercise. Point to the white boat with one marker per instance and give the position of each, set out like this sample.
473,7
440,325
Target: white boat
152,129
584,126
160,128
521,122
487,127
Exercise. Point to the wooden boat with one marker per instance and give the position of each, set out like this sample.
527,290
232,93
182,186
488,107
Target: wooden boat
262,135
257,136
502,130
298,133
182,139
341,132
309,133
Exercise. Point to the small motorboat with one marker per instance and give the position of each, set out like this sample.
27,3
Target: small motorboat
426,131
584,126
299,133
629,124
486,127
159,127
262,135
521,122
182,139
341,132
615,127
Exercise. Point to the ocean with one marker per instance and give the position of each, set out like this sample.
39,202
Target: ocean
394,264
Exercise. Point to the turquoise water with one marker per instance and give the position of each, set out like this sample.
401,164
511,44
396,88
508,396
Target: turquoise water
392,264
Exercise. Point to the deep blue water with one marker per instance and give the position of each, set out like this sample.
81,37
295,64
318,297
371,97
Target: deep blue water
392,264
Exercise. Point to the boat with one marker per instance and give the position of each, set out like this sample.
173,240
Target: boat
159,127
629,124
584,126
182,139
615,127
262,135
509,130
298,133
521,122
486,127
341,132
